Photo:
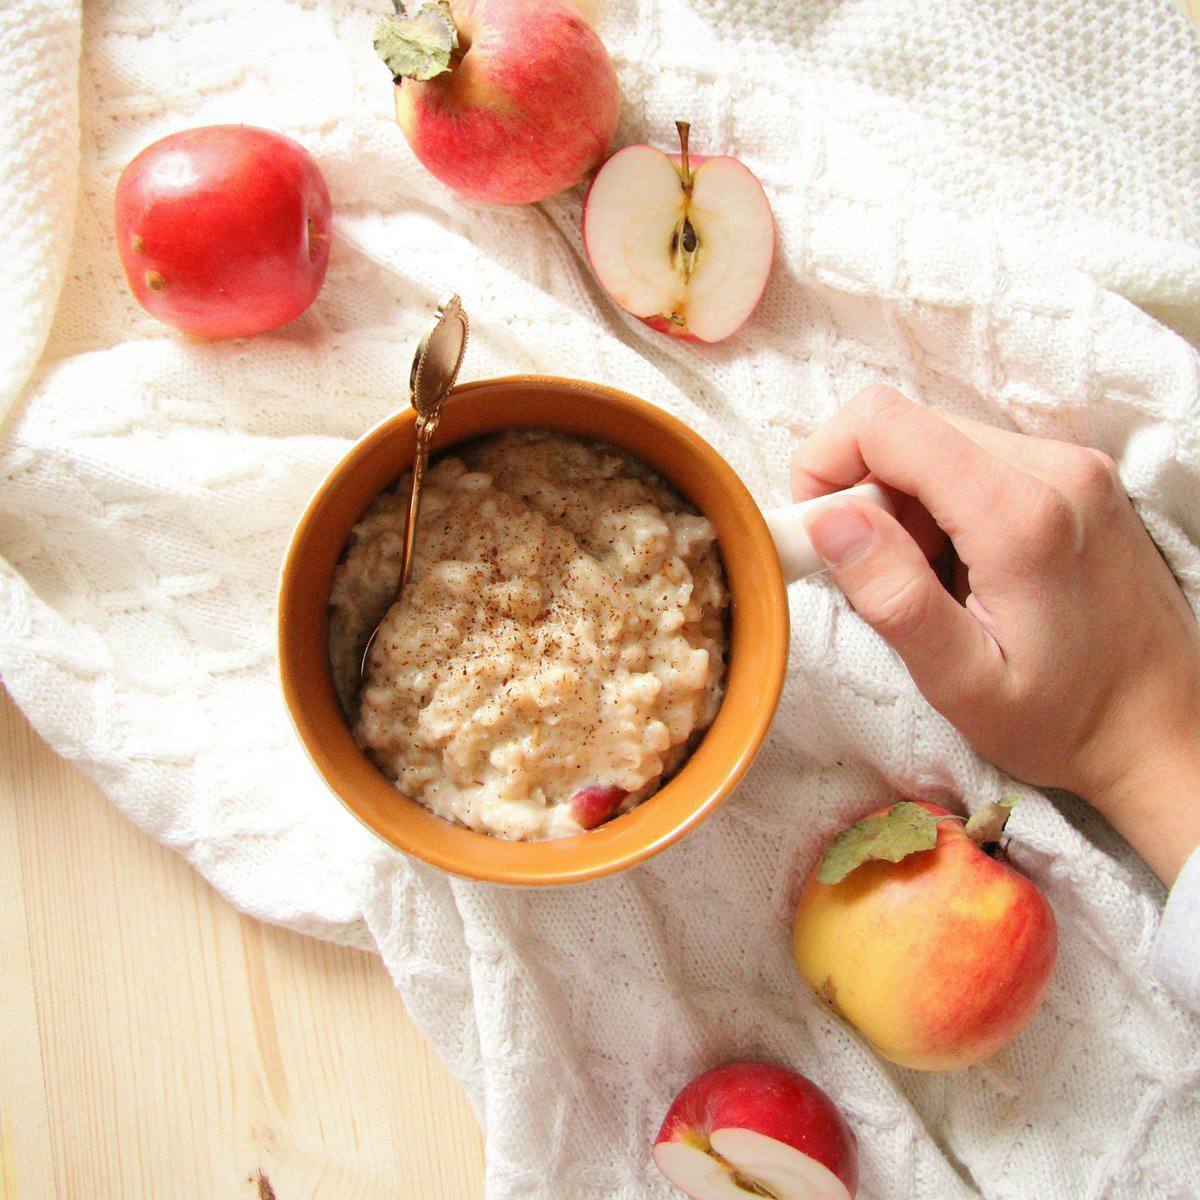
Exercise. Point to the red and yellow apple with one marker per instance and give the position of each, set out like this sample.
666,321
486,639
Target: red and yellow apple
754,1129
939,959
683,242
507,101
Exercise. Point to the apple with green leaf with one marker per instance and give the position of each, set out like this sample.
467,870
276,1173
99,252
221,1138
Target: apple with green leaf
507,101
683,242
916,930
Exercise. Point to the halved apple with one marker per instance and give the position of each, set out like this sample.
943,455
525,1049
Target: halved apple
685,244
754,1129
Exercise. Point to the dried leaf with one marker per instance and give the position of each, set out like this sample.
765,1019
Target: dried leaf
420,46
903,830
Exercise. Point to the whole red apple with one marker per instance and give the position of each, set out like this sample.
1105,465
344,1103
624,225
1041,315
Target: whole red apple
684,242
508,101
755,1129
223,230
938,959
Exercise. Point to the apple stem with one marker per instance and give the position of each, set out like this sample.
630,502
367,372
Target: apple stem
991,846
961,820
684,242
684,129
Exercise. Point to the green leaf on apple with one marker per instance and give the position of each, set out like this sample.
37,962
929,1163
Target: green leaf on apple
903,830
988,823
419,46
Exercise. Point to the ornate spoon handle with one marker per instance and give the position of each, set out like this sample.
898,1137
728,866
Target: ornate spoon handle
434,370
426,426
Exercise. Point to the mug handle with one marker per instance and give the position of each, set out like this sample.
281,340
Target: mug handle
788,529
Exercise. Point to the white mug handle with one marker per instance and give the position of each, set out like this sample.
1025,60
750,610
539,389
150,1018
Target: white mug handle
788,529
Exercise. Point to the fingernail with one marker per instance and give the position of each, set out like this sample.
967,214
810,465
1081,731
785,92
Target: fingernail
840,534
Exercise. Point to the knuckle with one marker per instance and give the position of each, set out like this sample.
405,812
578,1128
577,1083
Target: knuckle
878,403
1092,476
1049,527
805,484
895,607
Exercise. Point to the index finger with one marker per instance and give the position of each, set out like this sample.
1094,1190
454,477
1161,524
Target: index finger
881,433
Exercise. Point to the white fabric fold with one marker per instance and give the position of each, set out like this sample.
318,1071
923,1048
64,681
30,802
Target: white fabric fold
1176,960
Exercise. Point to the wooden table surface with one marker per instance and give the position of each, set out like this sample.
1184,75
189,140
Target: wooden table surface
156,1043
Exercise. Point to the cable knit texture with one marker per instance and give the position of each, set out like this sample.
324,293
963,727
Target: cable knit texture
996,207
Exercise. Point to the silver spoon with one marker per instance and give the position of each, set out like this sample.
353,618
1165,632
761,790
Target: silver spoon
434,370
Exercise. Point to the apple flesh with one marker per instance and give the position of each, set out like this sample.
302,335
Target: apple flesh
527,105
592,806
223,230
682,242
938,960
754,1129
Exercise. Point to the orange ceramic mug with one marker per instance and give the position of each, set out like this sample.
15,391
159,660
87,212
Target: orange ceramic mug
758,635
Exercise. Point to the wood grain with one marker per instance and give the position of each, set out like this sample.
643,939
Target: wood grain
156,1043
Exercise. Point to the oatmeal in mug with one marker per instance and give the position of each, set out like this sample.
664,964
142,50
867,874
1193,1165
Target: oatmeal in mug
560,644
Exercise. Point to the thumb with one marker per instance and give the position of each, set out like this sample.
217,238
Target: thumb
893,588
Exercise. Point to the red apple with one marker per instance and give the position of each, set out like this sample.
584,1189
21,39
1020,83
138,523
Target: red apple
752,1129
682,242
223,230
938,959
592,806
508,101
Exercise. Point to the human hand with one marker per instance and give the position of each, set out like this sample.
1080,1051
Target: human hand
1062,649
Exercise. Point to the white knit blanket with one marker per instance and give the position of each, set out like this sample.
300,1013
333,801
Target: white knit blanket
994,206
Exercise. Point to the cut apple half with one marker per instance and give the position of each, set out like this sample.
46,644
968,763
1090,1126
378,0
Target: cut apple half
685,244
756,1129
747,1164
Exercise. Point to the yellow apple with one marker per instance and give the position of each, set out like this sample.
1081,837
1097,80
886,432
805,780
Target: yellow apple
939,959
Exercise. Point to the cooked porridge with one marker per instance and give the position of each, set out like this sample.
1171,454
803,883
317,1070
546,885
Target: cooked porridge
559,646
